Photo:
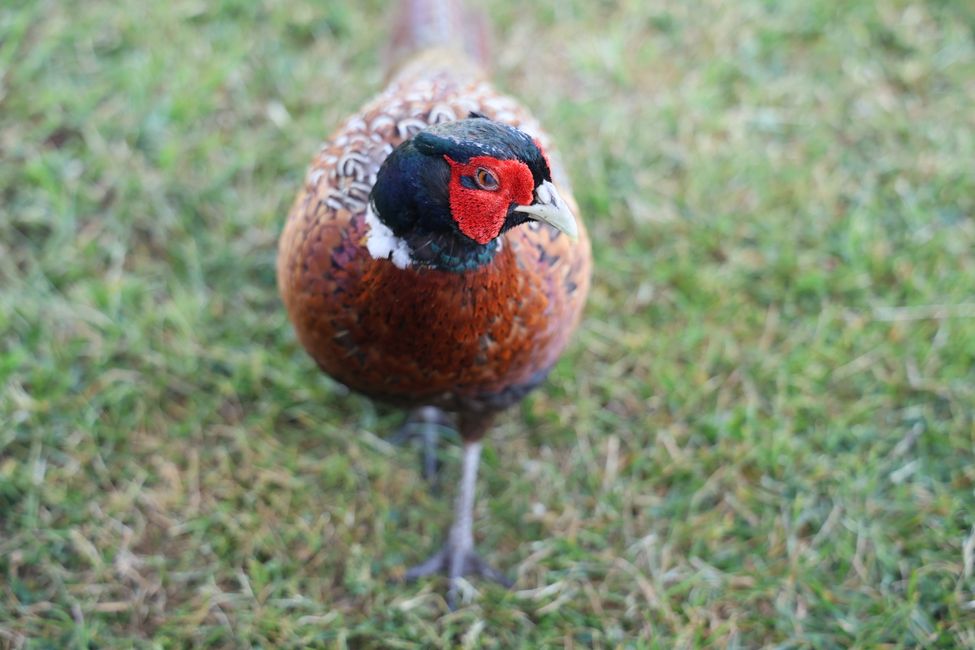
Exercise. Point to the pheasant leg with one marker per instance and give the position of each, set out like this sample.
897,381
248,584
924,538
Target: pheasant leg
457,557
424,424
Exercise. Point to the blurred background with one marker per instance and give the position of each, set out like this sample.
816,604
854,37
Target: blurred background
762,436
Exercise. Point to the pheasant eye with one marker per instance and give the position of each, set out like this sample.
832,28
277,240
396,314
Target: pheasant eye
485,179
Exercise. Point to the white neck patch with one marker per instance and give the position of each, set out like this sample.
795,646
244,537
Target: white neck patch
383,244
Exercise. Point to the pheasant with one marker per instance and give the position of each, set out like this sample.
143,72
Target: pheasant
432,258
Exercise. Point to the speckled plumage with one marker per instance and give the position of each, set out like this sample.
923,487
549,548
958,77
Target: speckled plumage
463,341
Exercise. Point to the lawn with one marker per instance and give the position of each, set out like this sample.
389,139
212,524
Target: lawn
762,436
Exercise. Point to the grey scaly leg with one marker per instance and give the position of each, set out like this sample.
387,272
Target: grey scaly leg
424,423
457,557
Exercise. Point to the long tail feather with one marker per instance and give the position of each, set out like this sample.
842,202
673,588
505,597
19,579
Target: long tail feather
437,24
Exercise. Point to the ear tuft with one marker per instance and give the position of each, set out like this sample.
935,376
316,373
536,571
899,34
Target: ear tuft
430,144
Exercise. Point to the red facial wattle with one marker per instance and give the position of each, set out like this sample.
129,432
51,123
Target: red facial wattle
480,213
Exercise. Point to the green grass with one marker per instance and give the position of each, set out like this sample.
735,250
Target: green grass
762,437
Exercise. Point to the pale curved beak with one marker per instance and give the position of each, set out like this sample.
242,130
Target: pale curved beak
552,209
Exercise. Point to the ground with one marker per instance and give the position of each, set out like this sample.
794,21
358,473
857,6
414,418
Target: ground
762,436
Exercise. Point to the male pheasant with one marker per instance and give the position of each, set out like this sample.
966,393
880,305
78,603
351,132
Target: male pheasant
432,259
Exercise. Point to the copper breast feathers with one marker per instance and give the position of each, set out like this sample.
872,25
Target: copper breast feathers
460,340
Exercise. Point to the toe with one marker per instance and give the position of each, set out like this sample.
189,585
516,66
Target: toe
476,565
432,565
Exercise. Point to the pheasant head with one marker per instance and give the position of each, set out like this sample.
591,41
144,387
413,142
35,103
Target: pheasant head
442,198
